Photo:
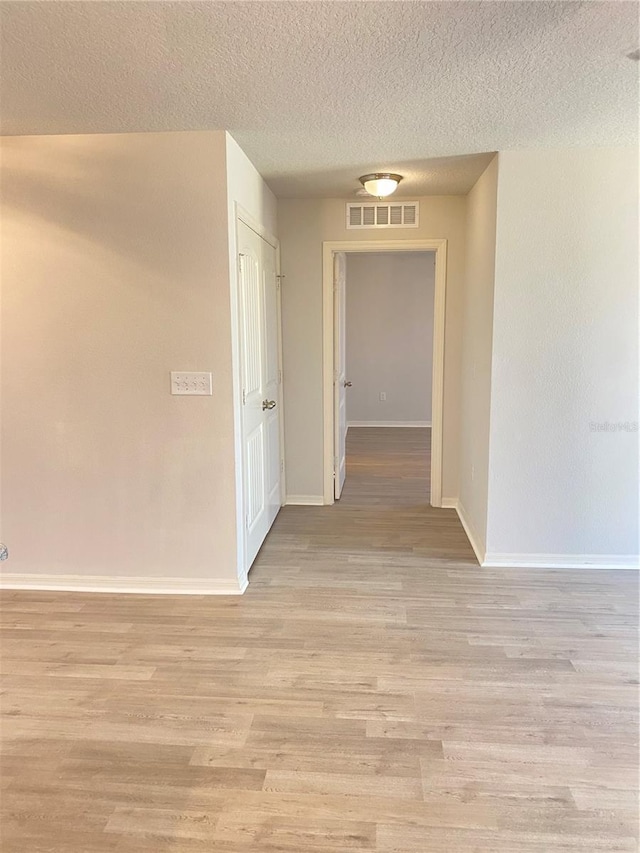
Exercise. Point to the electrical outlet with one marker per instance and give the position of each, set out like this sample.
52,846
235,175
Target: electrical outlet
189,382
383,396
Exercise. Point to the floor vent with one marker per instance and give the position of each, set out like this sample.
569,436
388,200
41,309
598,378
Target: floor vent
404,215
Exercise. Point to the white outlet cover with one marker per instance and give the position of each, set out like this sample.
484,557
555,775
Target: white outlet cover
190,382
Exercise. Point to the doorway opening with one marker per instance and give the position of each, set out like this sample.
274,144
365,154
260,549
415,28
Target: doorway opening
413,403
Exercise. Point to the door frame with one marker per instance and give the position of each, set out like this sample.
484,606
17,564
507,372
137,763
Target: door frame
329,248
242,215
339,394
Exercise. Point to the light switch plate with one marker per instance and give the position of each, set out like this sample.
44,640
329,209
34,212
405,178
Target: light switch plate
189,382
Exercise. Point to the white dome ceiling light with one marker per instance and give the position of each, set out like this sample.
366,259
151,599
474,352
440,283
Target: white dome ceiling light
380,184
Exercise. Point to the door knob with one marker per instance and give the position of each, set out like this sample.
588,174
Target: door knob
268,404
347,384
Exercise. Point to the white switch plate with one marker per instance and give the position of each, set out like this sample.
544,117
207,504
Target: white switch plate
383,396
189,382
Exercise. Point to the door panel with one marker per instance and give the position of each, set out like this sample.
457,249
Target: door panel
339,373
273,468
255,478
271,381
261,384
250,292
270,316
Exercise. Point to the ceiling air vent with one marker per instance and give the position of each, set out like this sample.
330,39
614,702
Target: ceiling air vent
385,215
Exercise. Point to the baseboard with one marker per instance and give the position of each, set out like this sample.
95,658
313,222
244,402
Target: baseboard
474,539
538,561
304,500
139,585
389,423
561,561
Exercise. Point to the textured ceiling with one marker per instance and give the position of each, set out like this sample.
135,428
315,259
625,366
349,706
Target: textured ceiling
318,93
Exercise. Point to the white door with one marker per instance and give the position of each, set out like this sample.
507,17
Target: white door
258,301
340,383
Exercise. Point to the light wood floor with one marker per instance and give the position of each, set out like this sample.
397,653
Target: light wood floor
374,690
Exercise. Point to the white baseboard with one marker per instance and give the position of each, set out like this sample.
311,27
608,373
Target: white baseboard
561,561
140,585
304,500
474,540
538,561
389,423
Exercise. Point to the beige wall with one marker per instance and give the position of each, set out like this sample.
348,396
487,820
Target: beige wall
389,322
563,483
477,330
303,226
115,271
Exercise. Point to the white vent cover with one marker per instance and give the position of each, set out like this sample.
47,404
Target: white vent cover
383,215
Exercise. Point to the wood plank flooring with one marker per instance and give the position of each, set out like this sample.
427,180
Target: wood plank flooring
374,690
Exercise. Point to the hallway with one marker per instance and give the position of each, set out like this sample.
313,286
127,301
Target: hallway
382,525
373,690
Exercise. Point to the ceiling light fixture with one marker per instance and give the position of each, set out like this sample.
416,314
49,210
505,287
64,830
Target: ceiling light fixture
380,184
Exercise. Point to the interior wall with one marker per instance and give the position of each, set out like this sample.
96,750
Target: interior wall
246,187
477,332
115,271
389,323
304,224
563,474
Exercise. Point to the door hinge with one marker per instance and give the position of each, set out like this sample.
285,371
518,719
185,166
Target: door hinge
281,465
244,397
279,376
